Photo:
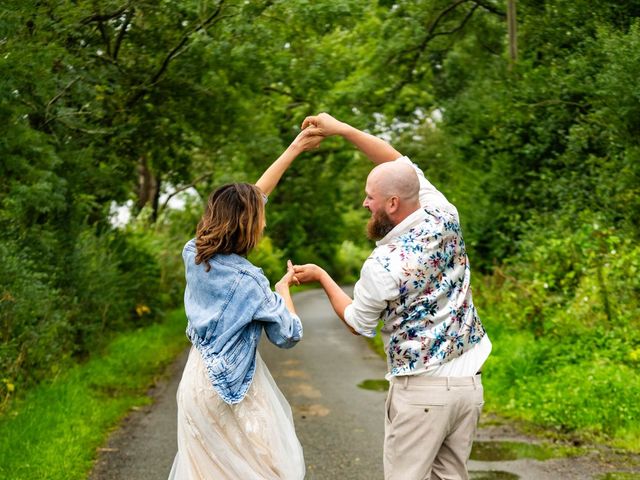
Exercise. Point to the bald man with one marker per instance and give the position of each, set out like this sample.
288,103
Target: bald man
417,281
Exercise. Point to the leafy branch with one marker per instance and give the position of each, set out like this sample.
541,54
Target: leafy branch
431,34
123,30
175,51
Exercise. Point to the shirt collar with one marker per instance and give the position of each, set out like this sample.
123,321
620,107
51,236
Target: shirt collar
407,224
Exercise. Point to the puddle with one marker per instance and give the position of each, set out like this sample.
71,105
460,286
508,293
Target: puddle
493,475
501,451
376,385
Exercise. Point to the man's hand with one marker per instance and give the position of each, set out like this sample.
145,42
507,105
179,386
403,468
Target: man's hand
338,298
308,273
325,124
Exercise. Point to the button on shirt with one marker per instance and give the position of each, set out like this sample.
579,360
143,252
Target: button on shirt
417,281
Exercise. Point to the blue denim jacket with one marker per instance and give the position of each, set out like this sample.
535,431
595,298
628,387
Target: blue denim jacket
226,308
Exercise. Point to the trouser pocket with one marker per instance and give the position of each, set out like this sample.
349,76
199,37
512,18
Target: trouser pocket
388,414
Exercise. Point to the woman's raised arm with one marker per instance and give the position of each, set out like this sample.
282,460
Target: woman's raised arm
307,139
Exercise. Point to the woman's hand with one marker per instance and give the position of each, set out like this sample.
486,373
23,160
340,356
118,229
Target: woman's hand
282,287
308,139
288,279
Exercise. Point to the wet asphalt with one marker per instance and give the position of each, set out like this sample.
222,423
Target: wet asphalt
340,426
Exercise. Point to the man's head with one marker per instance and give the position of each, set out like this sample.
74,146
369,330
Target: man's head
391,195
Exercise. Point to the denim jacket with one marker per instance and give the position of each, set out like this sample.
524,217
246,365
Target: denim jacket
226,308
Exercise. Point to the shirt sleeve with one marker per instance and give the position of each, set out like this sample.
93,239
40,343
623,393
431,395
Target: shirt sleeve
370,296
430,196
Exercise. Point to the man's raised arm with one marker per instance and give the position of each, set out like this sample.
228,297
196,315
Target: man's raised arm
373,147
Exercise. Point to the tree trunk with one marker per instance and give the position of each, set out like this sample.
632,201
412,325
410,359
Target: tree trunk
148,188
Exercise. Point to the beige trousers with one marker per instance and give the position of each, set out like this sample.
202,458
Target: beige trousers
429,427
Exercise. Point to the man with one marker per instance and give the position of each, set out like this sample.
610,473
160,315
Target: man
417,280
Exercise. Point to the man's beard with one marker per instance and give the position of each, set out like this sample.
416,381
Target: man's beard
379,225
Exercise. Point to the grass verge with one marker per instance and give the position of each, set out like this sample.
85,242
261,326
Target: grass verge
54,431
590,398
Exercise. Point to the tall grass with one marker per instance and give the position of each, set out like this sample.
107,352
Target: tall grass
53,432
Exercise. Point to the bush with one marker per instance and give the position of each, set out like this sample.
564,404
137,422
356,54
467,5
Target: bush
348,261
105,283
35,334
564,321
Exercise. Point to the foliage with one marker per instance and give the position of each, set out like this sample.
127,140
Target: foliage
349,260
107,284
54,431
109,102
541,159
575,390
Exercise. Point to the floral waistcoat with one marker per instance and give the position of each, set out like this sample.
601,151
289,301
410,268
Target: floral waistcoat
433,320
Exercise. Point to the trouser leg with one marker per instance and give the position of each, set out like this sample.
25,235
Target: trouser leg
429,430
451,461
415,428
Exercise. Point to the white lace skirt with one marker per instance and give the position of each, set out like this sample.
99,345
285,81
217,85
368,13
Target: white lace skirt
254,439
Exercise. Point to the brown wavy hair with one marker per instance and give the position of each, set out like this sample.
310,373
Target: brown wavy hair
232,222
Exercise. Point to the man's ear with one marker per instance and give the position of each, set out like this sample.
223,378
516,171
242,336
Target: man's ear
393,203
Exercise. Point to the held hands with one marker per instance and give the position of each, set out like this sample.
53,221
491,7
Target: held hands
299,274
308,139
288,279
314,129
307,273
325,125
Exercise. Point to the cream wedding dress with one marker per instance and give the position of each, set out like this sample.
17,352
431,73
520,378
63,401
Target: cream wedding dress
254,439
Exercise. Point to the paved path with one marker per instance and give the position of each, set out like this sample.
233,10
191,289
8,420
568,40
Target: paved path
339,425
144,445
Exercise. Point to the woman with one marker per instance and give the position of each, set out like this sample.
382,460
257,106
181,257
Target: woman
233,422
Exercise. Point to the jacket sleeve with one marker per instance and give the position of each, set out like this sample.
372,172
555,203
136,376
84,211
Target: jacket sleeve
283,328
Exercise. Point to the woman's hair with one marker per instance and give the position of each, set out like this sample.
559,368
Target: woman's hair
232,222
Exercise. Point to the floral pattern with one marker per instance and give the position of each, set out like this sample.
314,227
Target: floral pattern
433,320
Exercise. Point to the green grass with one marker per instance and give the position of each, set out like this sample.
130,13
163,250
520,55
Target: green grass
54,430
563,384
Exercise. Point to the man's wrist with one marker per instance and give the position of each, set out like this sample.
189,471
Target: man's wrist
348,132
323,276
344,129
